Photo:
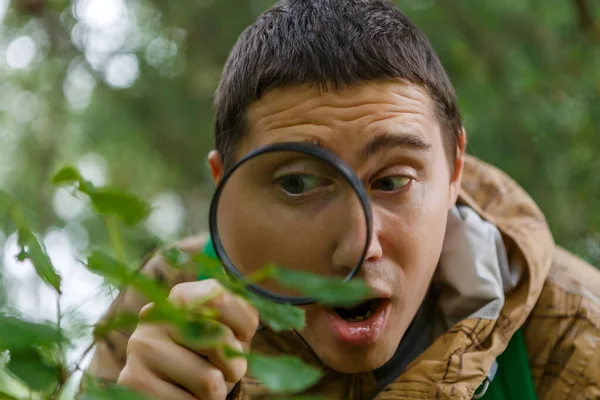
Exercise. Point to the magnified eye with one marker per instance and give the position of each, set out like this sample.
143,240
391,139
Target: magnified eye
391,183
298,184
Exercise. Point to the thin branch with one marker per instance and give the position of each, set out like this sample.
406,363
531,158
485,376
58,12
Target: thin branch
584,14
76,367
85,353
97,292
62,381
586,19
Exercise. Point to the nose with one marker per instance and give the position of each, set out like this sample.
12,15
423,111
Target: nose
375,251
352,239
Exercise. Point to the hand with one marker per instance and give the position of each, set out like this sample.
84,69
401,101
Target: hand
160,363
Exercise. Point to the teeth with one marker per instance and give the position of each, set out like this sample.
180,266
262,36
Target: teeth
361,318
367,315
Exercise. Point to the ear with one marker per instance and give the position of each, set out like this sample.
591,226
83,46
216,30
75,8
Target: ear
458,168
215,162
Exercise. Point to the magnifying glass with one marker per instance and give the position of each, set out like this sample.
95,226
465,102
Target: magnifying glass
293,205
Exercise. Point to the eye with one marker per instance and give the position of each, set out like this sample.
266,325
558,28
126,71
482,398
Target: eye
391,183
298,184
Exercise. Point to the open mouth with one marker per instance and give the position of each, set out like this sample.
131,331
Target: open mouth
360,312
362,324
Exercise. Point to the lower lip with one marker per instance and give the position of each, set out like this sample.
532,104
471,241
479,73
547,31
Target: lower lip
360,333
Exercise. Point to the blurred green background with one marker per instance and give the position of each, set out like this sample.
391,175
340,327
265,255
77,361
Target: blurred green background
123,90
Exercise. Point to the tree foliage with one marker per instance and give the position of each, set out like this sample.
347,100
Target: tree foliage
121,92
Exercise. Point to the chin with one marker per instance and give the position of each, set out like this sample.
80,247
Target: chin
353,346
351,361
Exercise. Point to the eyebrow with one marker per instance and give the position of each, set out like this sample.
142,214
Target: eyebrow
385,141
389,140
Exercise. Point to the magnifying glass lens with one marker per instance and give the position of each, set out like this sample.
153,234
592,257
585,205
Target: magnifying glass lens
293,210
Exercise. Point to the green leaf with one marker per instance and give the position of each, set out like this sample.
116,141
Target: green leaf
18,335
330,291
70,175
209,268
6,396
67,175
128,208
106,200
93,391
6,201
33,369
231,353
125,320
194,326
175,257
279,317
204,333
283,365
103,264
283,374
32,249
58,5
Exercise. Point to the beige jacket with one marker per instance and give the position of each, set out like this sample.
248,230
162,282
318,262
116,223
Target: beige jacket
556,300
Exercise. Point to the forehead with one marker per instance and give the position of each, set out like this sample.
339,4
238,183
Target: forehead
342,119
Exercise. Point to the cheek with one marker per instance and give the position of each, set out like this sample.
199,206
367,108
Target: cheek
414,234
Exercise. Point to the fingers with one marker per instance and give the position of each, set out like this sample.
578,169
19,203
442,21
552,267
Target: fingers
232,310
144,382
233,368
171,363
163,362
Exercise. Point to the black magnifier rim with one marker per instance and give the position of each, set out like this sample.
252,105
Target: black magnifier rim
314,151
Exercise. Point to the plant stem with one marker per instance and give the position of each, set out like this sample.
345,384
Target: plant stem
115,238
267,271
61,351
76,367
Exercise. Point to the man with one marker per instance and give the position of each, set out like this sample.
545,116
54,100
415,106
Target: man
461,258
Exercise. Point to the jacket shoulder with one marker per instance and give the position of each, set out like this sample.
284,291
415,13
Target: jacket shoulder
562,332
575,276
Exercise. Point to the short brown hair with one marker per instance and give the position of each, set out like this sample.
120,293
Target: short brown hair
331,44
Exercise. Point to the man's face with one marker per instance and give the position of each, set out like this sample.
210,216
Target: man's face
411,187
